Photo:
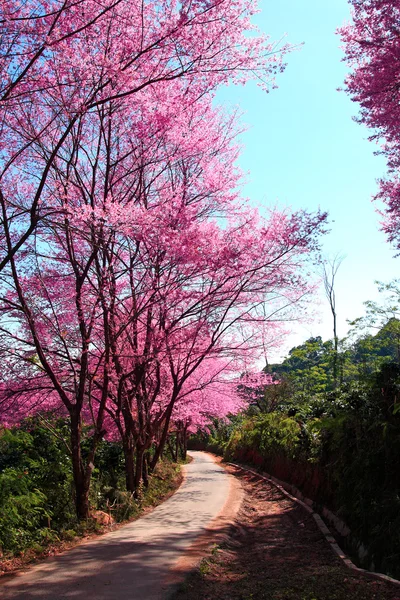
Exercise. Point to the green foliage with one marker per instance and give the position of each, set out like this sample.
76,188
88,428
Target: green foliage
377,333
35,485
270,434
36,491
308,367
217,436
371,352
342,449
22,510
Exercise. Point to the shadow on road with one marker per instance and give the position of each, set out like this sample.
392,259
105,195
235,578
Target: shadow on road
131,563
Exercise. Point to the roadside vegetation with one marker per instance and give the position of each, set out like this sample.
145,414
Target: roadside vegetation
337,440
37,505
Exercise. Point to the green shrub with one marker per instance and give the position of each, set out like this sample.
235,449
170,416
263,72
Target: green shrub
342,449
36,485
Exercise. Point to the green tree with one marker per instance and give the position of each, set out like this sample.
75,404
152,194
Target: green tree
371,350
309,367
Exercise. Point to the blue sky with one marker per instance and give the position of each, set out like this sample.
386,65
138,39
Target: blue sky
302,149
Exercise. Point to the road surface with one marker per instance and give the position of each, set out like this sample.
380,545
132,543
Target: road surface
133,562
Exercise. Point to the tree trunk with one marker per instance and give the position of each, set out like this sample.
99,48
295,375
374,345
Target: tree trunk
81,476
163,438
129,452
335,352
172,450
185,441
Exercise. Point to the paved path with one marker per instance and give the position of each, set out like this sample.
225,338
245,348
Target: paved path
132,562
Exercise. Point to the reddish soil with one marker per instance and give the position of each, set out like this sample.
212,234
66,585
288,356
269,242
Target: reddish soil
275,551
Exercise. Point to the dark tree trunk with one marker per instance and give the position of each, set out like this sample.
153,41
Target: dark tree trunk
81,475
182,437
129,453
185,441
335,351
163,438
172,450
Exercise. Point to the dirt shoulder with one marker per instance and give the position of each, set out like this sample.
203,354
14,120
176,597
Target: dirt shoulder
275,551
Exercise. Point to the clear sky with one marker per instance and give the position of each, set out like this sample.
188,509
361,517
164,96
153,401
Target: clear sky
303,150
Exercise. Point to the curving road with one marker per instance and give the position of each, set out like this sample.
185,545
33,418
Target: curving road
133,562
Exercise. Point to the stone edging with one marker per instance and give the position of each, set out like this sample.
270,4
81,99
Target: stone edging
307,504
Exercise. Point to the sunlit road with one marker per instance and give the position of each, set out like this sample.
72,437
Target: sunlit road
133,562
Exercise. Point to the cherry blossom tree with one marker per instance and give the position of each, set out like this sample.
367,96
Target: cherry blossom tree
129,261
372,50
54,308
211,393
98,192
62,60
212,302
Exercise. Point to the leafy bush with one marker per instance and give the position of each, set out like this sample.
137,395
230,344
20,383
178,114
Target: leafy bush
23,511
269,434
35,486
341,448
36,491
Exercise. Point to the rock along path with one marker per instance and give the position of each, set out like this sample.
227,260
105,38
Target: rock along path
133,562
